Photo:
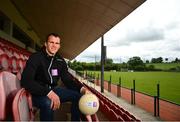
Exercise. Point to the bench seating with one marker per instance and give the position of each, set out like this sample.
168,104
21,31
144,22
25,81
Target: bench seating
22,106
9,85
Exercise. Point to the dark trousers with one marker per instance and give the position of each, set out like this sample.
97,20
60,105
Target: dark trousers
66,95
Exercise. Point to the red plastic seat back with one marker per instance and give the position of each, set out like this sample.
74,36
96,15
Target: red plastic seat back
22,106
9,85
4,62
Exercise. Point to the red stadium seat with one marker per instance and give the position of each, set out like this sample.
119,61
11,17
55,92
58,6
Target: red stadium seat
21,56
7,51
106,110
14,65
21,64
26,57
22,106
1,43
126,117
118,111
16,54
9,85
4,62
113,116
1,51
94,118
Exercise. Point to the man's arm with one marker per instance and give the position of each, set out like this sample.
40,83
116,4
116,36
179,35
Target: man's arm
28,77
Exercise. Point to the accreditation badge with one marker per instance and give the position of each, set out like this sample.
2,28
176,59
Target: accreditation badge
54,72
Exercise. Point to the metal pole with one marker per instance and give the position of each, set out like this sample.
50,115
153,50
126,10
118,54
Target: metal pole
109,84
158,99
132,96
95,64
102,64
134,87
98,80
155,105
119,91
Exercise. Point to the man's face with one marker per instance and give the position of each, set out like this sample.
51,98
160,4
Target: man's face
52,45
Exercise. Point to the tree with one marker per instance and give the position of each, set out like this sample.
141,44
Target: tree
157,60
78,68
166,59
147,61
176,60
135,63
108,64
160,60
109,61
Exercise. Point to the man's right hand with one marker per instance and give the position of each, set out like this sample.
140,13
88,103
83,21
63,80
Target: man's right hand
55,100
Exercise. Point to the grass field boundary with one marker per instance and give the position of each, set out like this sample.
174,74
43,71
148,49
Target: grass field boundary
166,110
148,94
146,82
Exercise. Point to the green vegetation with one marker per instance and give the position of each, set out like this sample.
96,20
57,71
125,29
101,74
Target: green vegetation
135,63
146,82
146,75
164,66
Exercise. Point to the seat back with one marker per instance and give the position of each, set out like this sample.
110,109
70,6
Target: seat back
21,64
9,85
1,51
22,106
4,62
14,66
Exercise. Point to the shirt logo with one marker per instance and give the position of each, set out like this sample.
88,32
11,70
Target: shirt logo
54,72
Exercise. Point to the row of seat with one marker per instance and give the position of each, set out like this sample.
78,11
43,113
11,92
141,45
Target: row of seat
13,50
113,111
12,64
12,59
15,102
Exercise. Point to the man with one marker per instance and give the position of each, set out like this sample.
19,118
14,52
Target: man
40,76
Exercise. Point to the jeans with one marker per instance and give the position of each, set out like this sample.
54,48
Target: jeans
66,95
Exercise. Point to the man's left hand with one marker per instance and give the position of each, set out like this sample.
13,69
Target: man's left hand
84,90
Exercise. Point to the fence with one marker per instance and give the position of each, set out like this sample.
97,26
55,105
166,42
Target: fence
164,109
153,104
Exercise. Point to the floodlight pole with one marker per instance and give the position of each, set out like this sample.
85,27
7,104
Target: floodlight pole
102,63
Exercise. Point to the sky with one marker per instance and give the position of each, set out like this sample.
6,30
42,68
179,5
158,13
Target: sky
150,31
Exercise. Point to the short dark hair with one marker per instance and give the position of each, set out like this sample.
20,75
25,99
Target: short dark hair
52,34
